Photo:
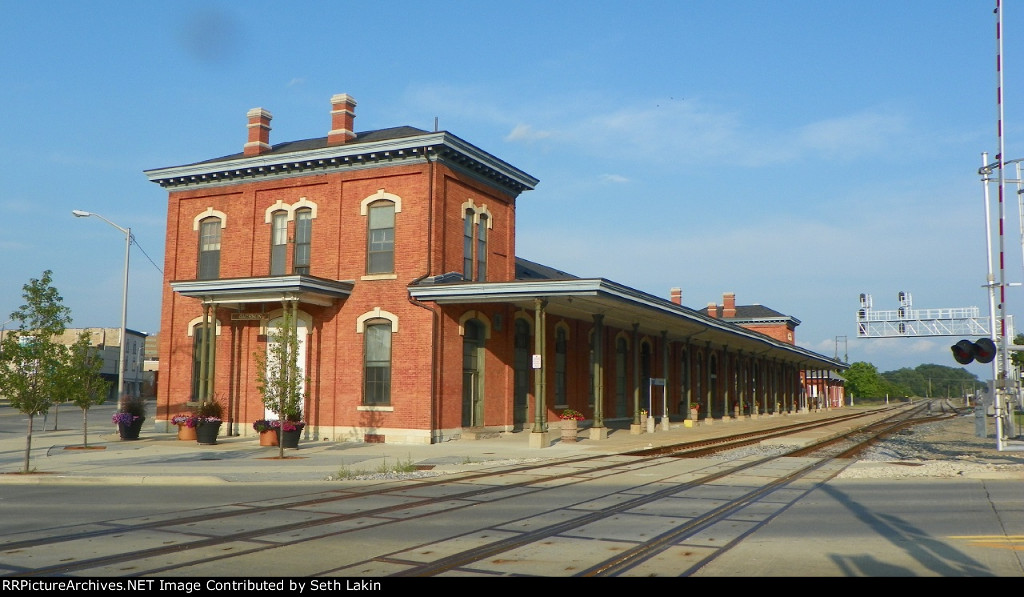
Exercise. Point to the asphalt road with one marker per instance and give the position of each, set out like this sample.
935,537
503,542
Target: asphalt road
970,526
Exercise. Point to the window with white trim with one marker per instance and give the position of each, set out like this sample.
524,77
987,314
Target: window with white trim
476,222
278,243
302,247
380,238
377,363
209,249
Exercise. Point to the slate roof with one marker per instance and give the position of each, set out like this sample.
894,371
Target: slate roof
398,132
748,312
529,270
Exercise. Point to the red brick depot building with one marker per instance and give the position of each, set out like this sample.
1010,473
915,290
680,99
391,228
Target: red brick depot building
394,251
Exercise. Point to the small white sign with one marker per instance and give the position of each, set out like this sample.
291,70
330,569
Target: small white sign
536,361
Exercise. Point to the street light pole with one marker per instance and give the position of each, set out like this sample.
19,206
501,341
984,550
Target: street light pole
124,298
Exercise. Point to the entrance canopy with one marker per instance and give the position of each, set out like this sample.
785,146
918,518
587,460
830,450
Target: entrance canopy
235,292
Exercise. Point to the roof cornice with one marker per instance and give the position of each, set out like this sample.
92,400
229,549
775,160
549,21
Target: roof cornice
442,146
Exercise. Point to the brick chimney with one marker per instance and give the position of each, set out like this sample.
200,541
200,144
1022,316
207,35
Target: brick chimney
676,294
712,310
343,117
259,132
728,305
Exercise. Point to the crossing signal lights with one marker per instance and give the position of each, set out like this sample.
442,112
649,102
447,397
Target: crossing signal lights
983,351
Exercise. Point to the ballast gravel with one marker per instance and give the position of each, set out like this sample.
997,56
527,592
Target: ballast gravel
951,447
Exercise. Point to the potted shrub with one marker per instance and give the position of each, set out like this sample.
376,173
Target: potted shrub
570,424
279,379
186,423
694,410
267,431
129,417
208,421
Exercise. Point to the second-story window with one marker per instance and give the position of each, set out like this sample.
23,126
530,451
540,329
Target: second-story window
303,241
467,244
476,222
380,238
209,249
278,243
481,248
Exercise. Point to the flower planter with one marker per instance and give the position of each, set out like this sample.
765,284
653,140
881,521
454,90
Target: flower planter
206,433
130,431
570,427
186,433
289,438
268,438
694,414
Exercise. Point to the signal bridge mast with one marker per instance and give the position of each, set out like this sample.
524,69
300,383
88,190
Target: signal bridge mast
907,321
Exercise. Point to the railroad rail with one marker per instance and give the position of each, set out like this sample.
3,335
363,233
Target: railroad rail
605,515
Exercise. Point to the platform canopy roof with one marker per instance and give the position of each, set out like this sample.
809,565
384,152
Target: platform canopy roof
622,307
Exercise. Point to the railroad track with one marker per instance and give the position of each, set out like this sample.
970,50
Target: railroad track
655,512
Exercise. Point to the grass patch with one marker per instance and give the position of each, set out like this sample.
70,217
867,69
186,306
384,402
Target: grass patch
383,468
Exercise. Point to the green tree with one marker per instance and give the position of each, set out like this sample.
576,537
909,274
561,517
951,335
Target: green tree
80,381
863,381
905,382
32,359
930,381
1017,358
279,376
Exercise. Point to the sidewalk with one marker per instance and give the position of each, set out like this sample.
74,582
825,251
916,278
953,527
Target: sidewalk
160,458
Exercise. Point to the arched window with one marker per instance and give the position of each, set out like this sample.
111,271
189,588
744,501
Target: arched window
377,363
467,244
684,381
209,249
481,248
522,366
278,242
197,356
472,373
301,253
380,238
646,354
561,350
476,222
713,379
621,350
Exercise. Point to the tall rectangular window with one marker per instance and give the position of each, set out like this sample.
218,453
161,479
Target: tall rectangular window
467,245
303,241
481,248
209,249
377,364
380,250
278,243
475,222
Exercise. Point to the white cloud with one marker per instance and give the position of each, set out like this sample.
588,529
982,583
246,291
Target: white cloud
851,135
524,132
614,178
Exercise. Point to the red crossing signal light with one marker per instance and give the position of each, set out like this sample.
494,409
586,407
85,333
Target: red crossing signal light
983,351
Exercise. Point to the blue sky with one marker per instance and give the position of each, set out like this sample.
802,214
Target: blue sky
797,153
